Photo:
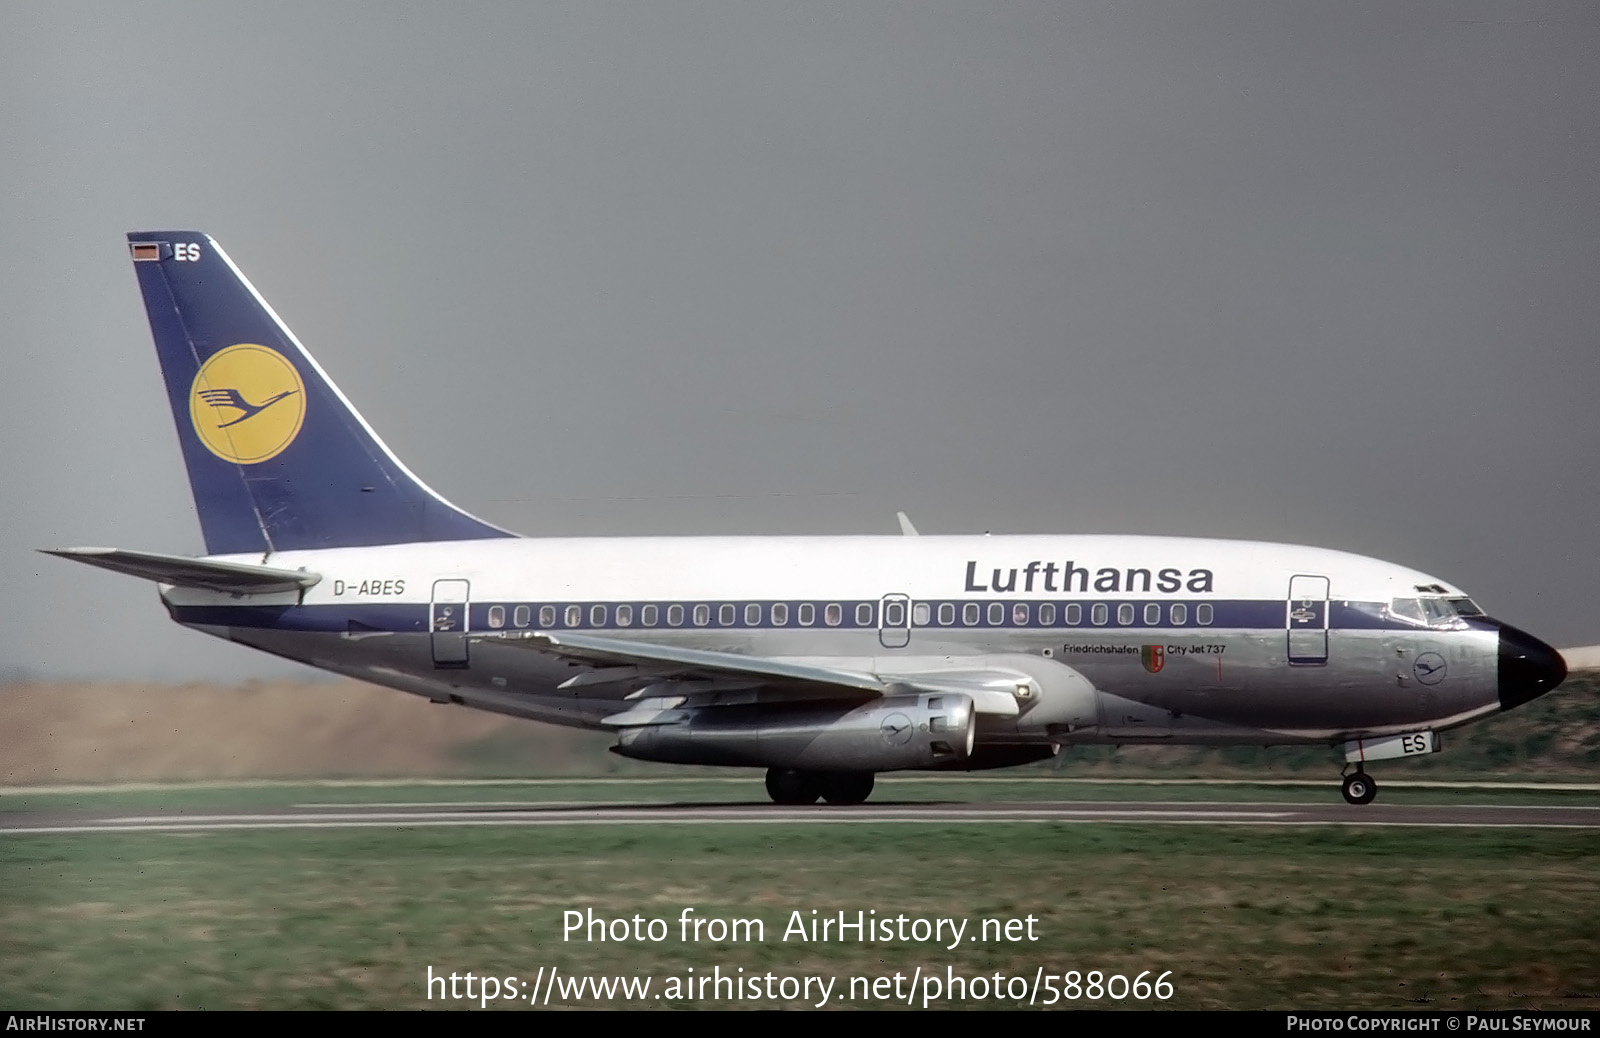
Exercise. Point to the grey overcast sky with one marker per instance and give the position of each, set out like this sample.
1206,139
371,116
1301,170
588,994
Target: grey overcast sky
1315,272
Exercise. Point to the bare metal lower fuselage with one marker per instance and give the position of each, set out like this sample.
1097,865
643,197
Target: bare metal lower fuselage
1219,688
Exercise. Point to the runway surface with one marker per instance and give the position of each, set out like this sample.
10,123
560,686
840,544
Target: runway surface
415,815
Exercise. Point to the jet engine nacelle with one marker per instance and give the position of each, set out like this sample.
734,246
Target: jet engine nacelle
1065,701
888,734
1037,699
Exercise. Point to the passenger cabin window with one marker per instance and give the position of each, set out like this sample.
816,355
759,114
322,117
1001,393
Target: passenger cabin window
1202,614
1074,614
1047,614
497,616
970,613
648,614
894,614
1152,614
574,616
947,613
833,614
921,614
752,615
1180,614
702,615
675,615
808,614
624,616
521,616
1099,614
864,614
997,614
547,616
1125,613
597,616
780,614
725,615
1019,614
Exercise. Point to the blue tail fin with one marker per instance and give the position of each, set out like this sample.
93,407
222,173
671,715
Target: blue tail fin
278,459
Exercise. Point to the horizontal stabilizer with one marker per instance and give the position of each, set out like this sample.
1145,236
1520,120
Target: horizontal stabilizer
235,578
1585,657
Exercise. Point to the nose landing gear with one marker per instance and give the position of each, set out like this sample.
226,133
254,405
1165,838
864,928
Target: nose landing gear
1358,788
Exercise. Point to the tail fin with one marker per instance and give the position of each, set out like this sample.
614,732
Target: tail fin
278,459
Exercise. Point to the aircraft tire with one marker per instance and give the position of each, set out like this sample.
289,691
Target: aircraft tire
847,787
787,786
1359,788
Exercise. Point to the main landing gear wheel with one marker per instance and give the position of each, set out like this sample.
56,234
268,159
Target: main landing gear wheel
1359,788
846,787
786,786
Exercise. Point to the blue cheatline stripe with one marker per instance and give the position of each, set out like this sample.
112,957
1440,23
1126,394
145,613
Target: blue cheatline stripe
857,614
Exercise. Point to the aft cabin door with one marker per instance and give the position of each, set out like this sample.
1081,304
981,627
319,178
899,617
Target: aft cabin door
449,622
894,621
1307,621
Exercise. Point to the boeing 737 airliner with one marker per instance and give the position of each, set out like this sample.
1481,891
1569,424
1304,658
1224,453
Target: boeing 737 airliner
824,660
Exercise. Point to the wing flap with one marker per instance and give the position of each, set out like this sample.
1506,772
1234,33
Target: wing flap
235,578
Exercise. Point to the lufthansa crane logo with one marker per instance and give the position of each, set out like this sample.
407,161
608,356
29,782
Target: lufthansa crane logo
896,729
1429,668
247,403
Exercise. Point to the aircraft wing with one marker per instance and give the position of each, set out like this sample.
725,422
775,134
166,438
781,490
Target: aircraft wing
235,578
620,659
664,661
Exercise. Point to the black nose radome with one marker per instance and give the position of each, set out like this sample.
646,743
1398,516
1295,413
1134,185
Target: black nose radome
1528,667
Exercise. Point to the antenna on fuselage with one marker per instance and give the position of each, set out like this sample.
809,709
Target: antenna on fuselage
905,524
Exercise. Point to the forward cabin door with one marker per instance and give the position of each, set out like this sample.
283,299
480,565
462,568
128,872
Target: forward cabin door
449,622
1306,619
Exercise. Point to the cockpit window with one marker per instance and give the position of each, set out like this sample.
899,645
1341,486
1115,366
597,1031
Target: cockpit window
1407,609
1433,612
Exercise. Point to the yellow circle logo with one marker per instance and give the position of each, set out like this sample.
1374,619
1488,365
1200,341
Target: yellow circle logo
247,403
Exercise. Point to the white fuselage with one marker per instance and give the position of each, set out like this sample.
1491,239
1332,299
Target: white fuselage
1185,640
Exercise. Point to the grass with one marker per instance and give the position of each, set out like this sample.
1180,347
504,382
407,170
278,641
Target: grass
1298,918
